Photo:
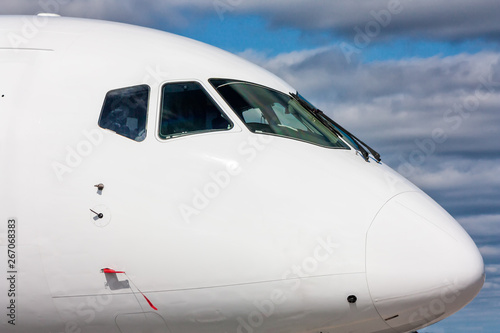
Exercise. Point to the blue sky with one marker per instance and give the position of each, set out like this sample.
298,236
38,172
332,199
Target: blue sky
276,40
391,71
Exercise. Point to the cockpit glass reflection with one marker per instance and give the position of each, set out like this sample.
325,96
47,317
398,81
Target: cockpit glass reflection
188,109
268,111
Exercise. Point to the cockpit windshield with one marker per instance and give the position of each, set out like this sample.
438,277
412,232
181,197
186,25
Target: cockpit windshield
264,110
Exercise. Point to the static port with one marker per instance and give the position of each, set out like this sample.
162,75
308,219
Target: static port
352,299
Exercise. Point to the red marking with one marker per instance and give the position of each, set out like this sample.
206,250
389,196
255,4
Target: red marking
149,302
109,270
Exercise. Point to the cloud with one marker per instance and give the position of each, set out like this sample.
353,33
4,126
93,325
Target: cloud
436,19
378,20
464,186
482,226
493,269
150,13
490,251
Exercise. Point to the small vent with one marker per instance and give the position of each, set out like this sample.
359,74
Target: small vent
393,317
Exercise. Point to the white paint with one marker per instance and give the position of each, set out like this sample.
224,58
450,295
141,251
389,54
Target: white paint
284,231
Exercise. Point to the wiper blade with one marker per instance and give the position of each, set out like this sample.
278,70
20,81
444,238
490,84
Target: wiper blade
336,128
360,143
315,112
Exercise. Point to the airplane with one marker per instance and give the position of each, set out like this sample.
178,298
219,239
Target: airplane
153,183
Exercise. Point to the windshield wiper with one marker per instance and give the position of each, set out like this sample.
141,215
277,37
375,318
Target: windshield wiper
336,128
354,138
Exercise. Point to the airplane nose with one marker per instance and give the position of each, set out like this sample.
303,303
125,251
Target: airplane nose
421,265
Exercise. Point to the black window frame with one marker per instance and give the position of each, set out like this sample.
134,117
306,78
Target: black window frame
208,96
113,98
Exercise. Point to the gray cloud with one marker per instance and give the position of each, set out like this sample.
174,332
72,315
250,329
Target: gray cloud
437,19
493,269
150,13
490,251
376,19
483,225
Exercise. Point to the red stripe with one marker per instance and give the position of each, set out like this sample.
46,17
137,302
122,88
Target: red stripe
149,302
109,270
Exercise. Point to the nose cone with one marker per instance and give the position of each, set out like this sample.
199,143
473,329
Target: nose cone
421,265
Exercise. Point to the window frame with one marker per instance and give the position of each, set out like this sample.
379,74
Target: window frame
214,97
148,104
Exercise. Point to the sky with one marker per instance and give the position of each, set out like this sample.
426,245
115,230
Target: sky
417,80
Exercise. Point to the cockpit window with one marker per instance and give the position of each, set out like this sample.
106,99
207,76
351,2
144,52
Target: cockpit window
265,110
125,112
187,109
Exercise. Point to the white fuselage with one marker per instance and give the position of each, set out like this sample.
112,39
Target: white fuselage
227,231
